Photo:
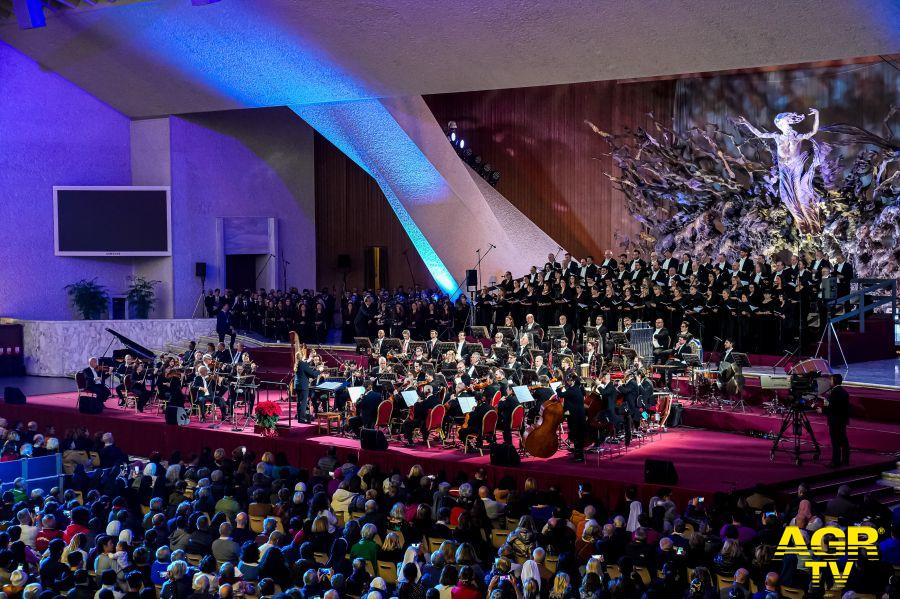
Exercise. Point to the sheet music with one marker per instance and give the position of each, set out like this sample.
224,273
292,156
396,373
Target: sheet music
410,397
523,394
555,385
356,393
466,403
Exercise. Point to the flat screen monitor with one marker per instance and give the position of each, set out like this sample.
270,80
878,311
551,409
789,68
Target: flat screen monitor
112,221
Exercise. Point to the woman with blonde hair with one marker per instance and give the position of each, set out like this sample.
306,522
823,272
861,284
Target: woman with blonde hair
391,549
562,587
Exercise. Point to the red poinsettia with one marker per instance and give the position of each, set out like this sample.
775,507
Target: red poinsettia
267,413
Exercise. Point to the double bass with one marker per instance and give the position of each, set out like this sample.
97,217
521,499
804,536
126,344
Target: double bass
543,440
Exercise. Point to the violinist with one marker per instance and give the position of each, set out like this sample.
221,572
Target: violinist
511,364
239,353
170,383
204,385
474,359
243,376
95,379
126,368
366,409
572,395
449,362
473,422
382,369
461,375
139,385
187,358
418,412
504,413
222,354
540,368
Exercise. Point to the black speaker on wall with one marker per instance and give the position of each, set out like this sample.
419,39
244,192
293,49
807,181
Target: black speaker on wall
660,472
471,279
343,261
88,404
200,269
177,415
14,396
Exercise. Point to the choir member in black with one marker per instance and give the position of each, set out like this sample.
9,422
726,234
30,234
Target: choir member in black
504,414
419,412
348,318
768,322
661,341
572,395
366,410
320,323
473,422
206,389
844,273
837,410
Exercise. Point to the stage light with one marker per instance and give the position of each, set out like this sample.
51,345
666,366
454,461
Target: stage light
495,178
452,136
462,144
476,162
451,126
486,168
467,154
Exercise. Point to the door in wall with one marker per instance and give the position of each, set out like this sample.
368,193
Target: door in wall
240,271
376,267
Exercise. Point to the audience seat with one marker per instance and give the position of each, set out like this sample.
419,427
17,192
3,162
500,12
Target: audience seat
644,573
724,582
321,558
550,563
433,543
498,537
388,571
792,593
614,572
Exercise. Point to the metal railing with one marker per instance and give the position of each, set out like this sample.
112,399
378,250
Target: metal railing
43,472
865,300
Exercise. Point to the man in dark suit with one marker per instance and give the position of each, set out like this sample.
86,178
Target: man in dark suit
661,342
223,325
572,395
844,273
364,317
504,414
473,426
366,410
630,393
94,380
419,413
431,344
837,410
303,373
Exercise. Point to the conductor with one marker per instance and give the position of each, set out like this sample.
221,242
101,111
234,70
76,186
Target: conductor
572,395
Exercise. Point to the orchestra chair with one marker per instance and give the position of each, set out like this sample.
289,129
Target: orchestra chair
195,406
325,420
496,399
517,424
383,417
488,431
387,571
130,397
81,386
433,422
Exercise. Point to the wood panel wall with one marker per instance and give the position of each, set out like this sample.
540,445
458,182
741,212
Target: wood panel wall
551,163
352,214
551,166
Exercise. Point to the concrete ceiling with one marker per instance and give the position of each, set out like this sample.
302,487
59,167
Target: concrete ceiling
162,57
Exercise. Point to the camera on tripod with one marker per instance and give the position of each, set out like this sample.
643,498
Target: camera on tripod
804,389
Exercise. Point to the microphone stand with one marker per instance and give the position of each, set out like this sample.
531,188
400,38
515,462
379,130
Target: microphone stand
259,274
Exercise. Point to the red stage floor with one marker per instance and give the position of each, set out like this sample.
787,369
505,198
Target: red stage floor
707,461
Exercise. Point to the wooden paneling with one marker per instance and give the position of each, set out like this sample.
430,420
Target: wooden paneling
551,166
551,162
351,215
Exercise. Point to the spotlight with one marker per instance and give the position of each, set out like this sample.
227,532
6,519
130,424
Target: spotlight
476,162
486,168
451,126
452,136
462,143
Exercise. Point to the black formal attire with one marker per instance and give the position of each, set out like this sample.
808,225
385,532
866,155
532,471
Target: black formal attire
661,345
224,327
418,414
366,412
504,416
363,318
573,401
838,414
474,421
93,382
303,373
209,396
630,397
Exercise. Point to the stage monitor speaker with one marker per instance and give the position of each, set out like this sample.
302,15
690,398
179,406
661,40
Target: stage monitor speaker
177,415
88,404
660,472
343,262
372,438
471,280
14,396
200,269
675,415
829,288
504,454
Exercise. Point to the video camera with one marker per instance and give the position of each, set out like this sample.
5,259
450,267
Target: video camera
803,389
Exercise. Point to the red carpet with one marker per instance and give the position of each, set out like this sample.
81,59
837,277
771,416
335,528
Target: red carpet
707,461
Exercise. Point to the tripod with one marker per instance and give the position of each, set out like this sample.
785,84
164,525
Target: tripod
830,335
793,423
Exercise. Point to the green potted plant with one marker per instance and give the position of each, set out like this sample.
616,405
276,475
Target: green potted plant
89,298
141,296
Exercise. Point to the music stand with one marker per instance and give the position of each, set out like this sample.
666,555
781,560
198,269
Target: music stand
591,332
529,376
502,354
413,345
509,333
556,332
618,337
523,394
362,344
479,332
443,347
509,372
410,397
466,403
474,348
535,353
389,344
482,370
740,359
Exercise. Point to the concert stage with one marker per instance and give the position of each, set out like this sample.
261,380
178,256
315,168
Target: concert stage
707,461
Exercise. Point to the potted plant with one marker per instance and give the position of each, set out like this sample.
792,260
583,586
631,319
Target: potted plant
90,298
141,296
266,416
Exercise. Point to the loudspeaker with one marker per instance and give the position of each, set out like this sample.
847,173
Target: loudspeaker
504,454
200,269
343,262
660,472
675,415
471,279
829,288
372,438
14,396
176,415
89,405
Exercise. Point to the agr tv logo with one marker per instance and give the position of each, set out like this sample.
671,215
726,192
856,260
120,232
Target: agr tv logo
826,546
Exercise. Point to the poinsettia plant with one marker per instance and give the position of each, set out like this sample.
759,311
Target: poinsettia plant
266,414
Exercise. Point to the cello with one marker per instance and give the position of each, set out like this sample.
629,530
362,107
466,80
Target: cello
543,440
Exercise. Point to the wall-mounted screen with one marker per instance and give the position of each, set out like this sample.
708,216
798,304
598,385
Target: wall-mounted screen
112,221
